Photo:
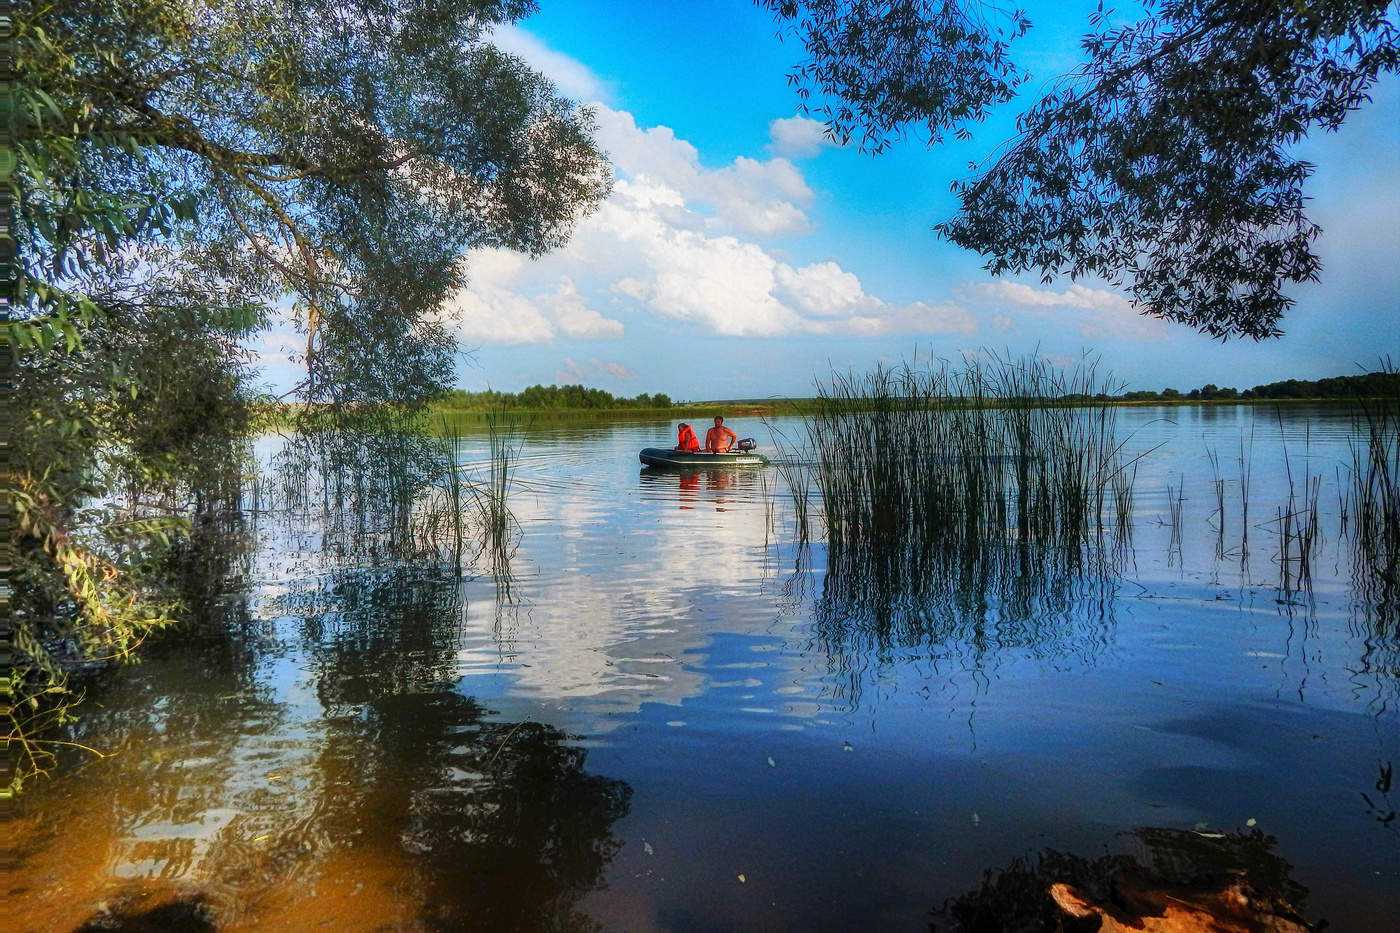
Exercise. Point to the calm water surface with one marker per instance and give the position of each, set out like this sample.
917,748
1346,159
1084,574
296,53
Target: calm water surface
677,720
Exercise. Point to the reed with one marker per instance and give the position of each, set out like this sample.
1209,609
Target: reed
1297,524
475,509
1176,508
450,485
1373,504
1246,465
396,492
792,462
1122,483
1217,517
506,442
995,448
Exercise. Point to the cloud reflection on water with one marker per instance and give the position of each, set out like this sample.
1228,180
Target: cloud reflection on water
364,734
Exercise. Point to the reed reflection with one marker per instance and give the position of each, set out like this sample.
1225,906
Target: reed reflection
969,602
399,492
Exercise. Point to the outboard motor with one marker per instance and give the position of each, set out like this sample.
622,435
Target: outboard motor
746,445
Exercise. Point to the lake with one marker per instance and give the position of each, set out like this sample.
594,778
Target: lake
679,715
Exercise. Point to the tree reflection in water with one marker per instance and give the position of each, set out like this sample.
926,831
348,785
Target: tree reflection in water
966,600
318,767
461,821
1199,881
507,828
503,826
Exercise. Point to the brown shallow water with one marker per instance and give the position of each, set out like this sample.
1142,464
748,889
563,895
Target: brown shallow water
682,720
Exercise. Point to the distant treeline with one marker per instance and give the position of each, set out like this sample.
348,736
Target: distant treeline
549,398
1370,385
582,398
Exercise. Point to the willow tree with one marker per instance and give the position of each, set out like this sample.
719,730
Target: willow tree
186,172
1163,163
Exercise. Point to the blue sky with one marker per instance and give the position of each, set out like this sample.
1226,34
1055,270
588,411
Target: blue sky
740,256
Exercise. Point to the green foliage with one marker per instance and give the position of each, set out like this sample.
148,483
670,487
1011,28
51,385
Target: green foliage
1161,164
1379,384
879,66
345,158
549,398
178,170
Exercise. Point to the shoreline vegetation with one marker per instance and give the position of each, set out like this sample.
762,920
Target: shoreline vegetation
1007,482
459,409
577,401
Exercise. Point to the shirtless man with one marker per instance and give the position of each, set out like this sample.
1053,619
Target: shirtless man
719,439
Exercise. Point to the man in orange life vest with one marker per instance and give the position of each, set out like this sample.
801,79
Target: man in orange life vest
719,439
686,439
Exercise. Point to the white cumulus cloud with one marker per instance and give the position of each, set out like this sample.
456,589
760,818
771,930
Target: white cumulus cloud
763,197
822,289
684,242
494,307
575,79
644,249
574,316
1095,312
734,287
797,137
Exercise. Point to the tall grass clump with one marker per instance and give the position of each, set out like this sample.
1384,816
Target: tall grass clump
1246,465
1217,517
792,464
982,508
394,491
993,448
498,522
1176,512
1373,503
1298,526
362,487
473,500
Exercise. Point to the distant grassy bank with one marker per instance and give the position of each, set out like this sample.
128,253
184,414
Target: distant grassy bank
575,400
701,411
547,404
698,412
281,417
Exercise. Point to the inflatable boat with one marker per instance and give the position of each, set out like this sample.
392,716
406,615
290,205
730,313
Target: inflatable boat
682,459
